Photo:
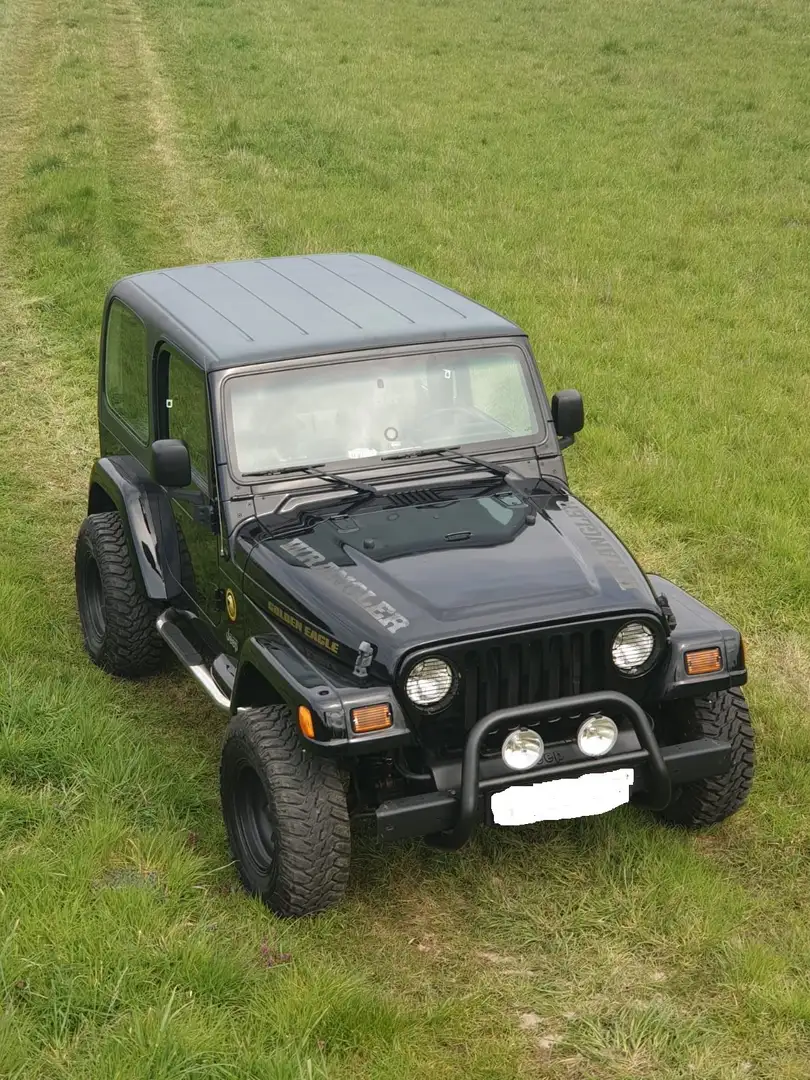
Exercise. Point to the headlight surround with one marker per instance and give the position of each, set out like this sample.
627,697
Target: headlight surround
633,648
430,683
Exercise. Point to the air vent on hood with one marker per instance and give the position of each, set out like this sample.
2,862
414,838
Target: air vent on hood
416,497
302,523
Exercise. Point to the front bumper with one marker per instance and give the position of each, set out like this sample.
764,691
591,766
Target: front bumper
449,816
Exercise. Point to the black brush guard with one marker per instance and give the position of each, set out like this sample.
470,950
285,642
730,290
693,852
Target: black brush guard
448,818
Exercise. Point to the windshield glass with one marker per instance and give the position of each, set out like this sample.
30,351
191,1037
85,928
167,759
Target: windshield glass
282,418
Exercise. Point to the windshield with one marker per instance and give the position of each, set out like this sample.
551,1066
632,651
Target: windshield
282,418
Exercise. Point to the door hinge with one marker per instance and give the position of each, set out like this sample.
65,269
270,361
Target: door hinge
207,515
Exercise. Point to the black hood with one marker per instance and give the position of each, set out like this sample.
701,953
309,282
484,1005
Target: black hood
408,576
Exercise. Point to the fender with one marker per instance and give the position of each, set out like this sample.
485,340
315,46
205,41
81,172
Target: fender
698,627
122,484
271,662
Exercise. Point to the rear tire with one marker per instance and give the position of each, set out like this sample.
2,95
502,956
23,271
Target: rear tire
285,814
117,617
723,716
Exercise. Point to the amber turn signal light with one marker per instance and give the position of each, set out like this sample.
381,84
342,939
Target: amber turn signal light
305,722
371,718
703,662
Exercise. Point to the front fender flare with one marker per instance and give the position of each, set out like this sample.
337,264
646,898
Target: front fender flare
145,509
290,676
698,627
295,680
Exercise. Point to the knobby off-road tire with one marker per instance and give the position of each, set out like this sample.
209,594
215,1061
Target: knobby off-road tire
285,814
118,619
721,716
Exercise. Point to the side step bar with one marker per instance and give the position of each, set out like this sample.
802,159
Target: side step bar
188,656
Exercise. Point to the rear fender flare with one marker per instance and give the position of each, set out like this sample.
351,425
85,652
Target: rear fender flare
122,484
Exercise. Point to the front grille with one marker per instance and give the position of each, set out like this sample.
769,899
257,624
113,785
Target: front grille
519,669
536,668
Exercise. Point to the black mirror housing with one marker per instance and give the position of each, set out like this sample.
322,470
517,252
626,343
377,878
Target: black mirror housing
568,413
170,463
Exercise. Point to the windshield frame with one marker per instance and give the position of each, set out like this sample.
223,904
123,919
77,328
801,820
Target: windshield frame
226,448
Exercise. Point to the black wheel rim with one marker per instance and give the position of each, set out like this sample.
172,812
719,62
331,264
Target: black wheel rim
254,829
92,602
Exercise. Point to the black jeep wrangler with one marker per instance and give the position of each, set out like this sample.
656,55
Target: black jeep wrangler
335,490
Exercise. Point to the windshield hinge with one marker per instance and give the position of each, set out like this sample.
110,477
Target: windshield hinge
206,514
666,611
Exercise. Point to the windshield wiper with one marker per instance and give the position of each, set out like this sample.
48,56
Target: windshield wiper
339,478
450,453
322,474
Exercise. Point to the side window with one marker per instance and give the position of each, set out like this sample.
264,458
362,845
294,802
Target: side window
188,413
125,369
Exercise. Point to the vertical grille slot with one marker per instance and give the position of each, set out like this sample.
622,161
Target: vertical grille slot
577,665
513,657
553,665
491,677
525,680
470,671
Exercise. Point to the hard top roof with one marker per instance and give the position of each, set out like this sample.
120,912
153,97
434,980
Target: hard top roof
230,313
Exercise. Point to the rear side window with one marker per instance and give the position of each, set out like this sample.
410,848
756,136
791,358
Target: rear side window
125,369
188,411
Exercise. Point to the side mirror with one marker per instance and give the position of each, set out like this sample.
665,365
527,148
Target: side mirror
170,463
568,414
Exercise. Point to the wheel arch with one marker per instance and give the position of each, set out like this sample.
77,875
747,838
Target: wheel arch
99,501
253,689
122,484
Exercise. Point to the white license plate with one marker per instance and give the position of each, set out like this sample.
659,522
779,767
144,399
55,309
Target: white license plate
554,800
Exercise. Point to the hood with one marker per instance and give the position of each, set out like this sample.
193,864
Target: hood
407,576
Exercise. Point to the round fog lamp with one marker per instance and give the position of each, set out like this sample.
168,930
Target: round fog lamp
597,736
522,749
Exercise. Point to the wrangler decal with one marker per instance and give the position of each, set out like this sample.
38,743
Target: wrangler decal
601,543
384,613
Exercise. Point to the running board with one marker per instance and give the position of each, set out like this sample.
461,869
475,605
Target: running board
188,656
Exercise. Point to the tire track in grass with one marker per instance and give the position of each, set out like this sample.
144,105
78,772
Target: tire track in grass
209,231
81,203
94,185
65,247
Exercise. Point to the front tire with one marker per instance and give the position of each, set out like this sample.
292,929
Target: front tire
285,814
722,716
117,617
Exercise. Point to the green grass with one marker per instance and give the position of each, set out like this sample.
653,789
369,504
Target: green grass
630,182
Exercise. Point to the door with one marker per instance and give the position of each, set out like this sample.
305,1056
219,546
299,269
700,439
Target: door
185,415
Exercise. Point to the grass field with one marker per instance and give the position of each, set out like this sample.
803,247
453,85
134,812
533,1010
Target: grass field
629,181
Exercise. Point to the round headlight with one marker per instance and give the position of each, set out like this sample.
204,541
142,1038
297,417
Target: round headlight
522,749
597,736
429,682
632,648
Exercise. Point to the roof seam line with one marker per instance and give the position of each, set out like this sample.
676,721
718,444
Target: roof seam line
311,258
272,269
410,285
236,326
280,314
